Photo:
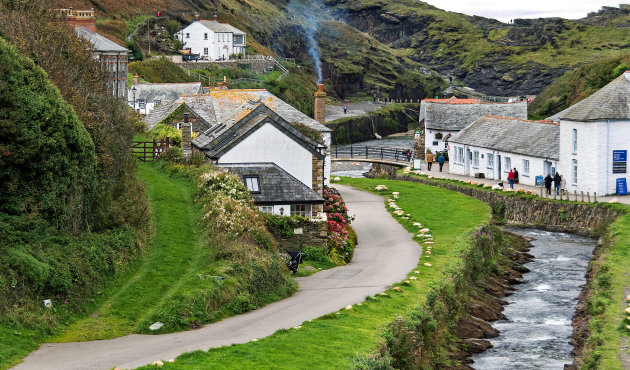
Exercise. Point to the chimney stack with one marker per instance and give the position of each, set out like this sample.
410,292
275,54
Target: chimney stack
197,16
320,104
214,17
136,79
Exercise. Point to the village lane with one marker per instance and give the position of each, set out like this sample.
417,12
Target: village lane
384,256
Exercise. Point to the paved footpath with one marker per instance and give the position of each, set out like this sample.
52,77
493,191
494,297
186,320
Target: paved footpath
384,256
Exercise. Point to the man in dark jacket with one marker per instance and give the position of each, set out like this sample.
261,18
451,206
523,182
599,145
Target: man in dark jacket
548,181
557,179
441,160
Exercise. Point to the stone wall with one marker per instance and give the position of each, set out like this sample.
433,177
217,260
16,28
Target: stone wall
307,233
258,66
578,218
386,121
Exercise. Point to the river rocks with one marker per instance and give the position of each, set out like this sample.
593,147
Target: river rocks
473,327
474,345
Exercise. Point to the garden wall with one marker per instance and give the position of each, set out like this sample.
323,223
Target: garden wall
295,234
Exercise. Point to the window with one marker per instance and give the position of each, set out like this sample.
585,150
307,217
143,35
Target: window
156,103
187,35
574,141
490,160
266,209
205,51
142,104
299,210
205,36
435,143
525,167
459,155
252,184
475,159
574,178
508,164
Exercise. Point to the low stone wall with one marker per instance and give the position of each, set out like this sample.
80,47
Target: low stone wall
578,218
258,66
311,234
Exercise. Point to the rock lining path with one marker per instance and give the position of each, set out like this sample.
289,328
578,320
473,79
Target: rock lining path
386,253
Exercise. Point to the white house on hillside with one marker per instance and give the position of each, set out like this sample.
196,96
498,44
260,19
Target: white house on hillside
212,40
443,118
493,145
595,140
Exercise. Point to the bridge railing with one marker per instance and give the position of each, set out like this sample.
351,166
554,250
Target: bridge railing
372,152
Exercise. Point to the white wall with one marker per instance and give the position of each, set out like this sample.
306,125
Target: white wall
430,138
536,164
220,45
149,106
268,144
595,144
327,161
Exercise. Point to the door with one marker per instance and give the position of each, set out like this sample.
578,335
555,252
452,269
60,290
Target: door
548,168
498,165
467,162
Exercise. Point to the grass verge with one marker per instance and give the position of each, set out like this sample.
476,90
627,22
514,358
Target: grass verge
333,340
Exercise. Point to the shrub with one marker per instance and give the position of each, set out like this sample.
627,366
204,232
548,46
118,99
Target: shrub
173,154
161,132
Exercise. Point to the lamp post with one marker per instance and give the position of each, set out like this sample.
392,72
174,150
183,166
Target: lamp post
133,91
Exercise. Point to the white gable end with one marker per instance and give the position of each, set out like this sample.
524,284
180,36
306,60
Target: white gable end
268,144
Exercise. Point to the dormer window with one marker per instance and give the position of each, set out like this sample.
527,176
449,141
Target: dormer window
252,183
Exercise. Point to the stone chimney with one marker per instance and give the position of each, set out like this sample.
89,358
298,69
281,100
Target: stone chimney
78,18
222,85
186,128
320,104
136,79
197,17
214,17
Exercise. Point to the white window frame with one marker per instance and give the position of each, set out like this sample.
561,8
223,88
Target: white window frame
525,167
459,154
507,162
156,103
300,210
252,183
142,104
266,209
205,51
475,159
574,172
574,141
490,160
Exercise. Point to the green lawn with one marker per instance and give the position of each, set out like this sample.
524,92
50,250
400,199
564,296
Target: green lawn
176,249
333,340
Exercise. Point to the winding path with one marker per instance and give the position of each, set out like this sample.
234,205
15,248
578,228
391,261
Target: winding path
385,255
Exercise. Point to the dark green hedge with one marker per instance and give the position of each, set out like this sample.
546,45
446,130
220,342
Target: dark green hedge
47,163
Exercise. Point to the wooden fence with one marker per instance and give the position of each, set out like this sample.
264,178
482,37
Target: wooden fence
372,152
149,151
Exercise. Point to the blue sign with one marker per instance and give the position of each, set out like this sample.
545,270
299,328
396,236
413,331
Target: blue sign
539,180
620,155
622,187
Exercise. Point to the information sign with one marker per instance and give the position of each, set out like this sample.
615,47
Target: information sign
619,167
620,155
539,180
622,187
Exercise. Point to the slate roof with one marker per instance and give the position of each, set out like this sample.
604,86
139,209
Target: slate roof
276,185
221,138
531,138
611,102
226,107
221,27
451,115
100,43
165,91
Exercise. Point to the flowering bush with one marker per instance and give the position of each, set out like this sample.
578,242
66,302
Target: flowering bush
341,239
224,182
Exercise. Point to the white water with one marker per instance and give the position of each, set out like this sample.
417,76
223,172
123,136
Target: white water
538,328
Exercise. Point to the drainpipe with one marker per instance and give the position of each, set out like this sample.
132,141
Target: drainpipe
607,153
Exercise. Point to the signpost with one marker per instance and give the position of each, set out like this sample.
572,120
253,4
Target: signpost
620,160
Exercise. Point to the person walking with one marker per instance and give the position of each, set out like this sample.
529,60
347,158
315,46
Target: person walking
429,160
511,178
557,181
515,176
441,160
345,109
548,181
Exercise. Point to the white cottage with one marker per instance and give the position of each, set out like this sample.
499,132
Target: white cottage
212,40
493,145
143,98
444,118
595,140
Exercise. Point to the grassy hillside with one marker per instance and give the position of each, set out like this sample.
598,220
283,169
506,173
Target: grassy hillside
576,85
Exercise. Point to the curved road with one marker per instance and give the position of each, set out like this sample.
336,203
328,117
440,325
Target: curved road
386,253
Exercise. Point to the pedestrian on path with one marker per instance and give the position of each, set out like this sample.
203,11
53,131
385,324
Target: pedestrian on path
441,160
515,176
563,185
548,181
429,160
557,180
511,178
345,109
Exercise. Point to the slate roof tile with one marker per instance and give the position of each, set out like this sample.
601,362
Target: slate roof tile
451,116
